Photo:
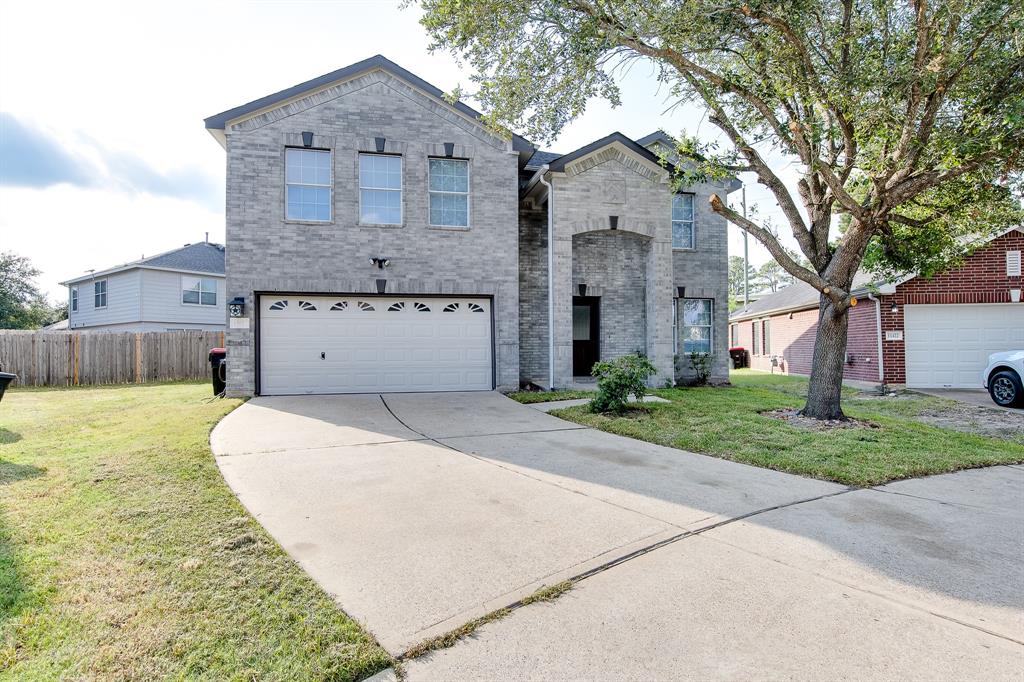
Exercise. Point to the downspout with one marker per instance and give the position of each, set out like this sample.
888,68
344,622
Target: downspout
878,336
551,280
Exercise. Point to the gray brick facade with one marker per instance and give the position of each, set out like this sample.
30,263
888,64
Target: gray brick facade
502,254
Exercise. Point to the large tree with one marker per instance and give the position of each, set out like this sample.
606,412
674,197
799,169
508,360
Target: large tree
22,305
903,119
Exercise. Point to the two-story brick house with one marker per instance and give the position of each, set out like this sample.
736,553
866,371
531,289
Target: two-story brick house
384,239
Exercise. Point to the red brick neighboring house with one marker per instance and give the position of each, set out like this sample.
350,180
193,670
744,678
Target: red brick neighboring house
930,332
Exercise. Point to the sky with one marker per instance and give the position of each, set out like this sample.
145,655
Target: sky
103,153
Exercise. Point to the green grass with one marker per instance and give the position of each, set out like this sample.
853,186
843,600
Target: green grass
527,397
123,555
725,422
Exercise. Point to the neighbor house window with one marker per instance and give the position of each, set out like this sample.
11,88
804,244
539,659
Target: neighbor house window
307,184
74,299
449,192
380,189
99,291
198,291
755,346
697,325
766,330
734,335
682,221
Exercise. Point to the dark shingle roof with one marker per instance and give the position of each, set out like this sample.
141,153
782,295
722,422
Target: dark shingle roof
540,158
201,257
795,296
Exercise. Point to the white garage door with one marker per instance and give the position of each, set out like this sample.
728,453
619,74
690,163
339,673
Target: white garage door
373,344
948,345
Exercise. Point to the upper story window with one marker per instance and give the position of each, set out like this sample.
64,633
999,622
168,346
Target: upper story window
449,192
99,291
380,189
697,325
74,300
307,175
682,221
198,291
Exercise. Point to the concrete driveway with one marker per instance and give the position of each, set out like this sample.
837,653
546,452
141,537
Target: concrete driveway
420,512
978,397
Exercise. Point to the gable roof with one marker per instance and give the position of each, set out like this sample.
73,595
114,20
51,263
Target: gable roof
540,158
219,121
560,163
204,258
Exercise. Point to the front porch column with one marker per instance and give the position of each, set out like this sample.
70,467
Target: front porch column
563,308
659,310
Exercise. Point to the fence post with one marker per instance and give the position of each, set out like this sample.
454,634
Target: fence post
138,358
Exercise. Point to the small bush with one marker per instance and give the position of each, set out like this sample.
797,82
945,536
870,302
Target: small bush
618,379
700,363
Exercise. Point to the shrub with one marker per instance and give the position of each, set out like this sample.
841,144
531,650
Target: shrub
700,363
618,379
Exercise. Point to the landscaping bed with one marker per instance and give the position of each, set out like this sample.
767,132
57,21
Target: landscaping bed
124,555
893,440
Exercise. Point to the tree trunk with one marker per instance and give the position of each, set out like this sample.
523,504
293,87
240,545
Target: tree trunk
825,389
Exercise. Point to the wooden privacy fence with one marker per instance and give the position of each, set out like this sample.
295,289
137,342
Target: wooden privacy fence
74,358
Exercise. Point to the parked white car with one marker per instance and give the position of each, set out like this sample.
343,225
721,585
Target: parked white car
1003,377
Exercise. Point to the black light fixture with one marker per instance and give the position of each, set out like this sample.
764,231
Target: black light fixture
379,142
893,308
381,263
307,139
236,307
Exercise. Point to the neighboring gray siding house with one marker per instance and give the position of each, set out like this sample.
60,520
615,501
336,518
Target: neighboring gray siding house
179,289
383,239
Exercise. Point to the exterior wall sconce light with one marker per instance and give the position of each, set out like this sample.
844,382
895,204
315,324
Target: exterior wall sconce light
381,263
236,307
893,308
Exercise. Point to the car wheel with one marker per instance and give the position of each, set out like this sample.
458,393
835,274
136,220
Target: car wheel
1005,389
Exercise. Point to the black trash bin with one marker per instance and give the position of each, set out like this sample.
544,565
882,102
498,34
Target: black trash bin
5,378
218,369
739,357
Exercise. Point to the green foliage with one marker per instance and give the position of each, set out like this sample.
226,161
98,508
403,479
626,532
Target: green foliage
618,379
700,363
22,305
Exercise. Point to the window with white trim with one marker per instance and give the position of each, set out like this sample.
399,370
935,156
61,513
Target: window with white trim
449,192
755,346
73,305
766,331
682,221
99,292
697,316
198,291
307,175
380,189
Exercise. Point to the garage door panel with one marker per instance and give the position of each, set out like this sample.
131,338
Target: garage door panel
949,345
373,344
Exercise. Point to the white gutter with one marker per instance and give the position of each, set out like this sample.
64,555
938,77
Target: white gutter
878,335
551,280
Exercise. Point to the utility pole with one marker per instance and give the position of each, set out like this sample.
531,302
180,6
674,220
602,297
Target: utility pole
746,256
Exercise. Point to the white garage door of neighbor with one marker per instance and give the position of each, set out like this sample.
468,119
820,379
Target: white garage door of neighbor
373,344
947,346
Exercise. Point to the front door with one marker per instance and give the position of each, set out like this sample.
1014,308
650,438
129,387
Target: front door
586,347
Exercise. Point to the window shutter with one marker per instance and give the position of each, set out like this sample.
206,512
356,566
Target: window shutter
1013,263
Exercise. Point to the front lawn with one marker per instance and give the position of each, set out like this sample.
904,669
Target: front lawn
528,397
123,555
726,422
